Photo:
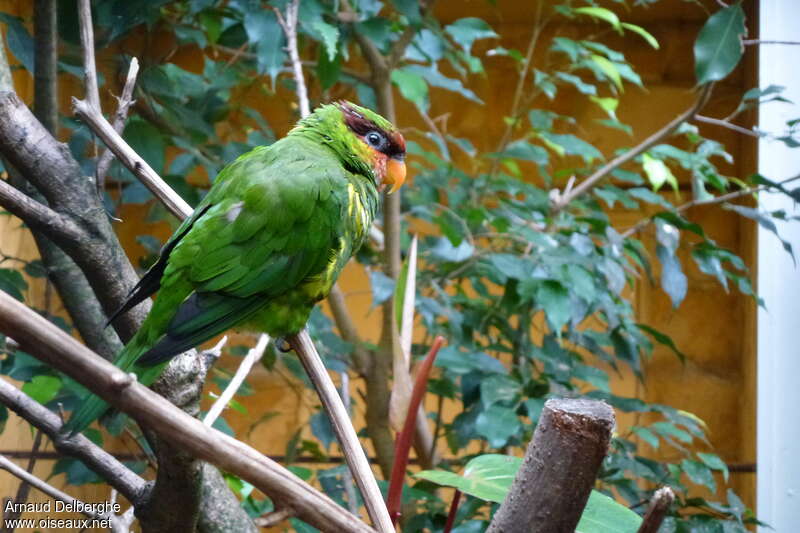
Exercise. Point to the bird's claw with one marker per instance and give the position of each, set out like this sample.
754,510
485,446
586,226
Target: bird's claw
283,345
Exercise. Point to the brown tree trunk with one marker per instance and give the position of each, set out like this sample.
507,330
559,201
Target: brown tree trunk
560,466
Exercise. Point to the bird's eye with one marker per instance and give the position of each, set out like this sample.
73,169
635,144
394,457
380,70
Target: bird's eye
375,139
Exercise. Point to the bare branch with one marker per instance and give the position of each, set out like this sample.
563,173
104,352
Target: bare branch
24,488
658,136
750,42
124,102
561,463
275,517
98,460
128,157
289,25
253,356
87,43
52,346
340,420
726,124
659,505
38,216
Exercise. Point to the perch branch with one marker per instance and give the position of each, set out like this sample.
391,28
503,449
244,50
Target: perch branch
124,103
275,517
54,347
726,124
340,420
664,132
561,463
253,356
24,488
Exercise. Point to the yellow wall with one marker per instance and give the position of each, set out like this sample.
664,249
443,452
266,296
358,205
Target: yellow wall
713,328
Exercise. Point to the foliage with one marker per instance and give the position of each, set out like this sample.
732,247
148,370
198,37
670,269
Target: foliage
535,302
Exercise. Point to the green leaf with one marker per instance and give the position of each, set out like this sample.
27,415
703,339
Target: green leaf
608,69
147,141
553,298
699,473
263,29
412,86
718,47
42,388
673,280
488,477
571,145
12,282
20,41
526,151
600,13
658,173
497,424
330,36
646,35
382,287
714,462
575,81
468,30
409,9
499,388
604,515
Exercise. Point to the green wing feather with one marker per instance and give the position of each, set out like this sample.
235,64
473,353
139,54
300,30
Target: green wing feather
272,220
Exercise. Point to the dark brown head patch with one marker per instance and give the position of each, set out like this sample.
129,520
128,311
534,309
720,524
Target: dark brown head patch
361,125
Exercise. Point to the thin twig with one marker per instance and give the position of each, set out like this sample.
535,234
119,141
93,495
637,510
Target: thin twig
253,356
340,420
750,42
289,25
24,487
664,132
124,102
128,157
87,42
726,124
275,517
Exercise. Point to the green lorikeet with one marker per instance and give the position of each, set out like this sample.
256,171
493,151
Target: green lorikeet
267,242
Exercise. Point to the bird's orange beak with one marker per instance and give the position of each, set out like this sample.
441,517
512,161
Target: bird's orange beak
395,173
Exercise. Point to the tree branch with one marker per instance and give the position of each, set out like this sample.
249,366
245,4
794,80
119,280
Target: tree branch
52,346
38,216
124,103
128,157
340,420
553,484
87,44
726,124
253,356
24,488
655,138
98,460
289,25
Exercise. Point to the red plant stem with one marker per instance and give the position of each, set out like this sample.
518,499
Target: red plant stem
451,516
403,446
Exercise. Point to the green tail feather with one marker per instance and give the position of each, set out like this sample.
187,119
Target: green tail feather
93,406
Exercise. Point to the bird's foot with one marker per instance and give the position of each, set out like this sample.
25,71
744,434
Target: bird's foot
283,345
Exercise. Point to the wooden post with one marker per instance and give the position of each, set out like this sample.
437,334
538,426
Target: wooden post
560,467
